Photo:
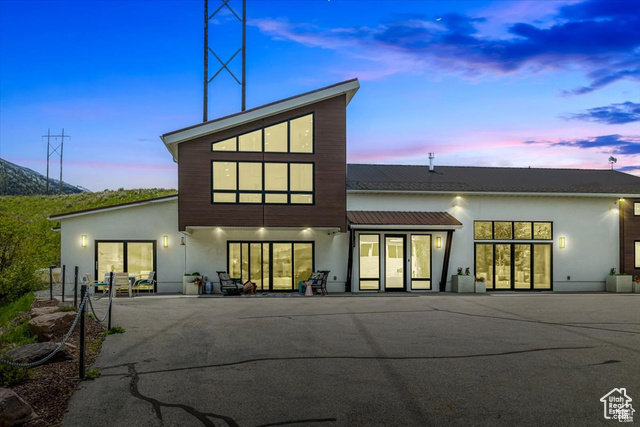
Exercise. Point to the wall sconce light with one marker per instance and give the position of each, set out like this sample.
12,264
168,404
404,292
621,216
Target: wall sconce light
438,242
83,241
182,243
165,241
562,243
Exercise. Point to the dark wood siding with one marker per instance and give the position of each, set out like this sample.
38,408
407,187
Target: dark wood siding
629,234
329,157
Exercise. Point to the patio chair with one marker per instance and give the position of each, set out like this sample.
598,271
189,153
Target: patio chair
97,285
321,282
147,284
121,283
229,286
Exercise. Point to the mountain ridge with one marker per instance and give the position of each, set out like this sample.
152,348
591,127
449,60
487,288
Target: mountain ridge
16,180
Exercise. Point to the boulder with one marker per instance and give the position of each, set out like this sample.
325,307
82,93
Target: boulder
32,352
35,312
49,325
13,409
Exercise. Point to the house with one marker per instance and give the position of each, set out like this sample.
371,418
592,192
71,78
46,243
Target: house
267,195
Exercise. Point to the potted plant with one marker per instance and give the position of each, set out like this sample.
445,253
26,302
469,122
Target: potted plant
191,283
460,283
618,282
636,284
481,286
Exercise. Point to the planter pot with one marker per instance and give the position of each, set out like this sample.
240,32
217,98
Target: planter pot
462,284
619,284
188,288
636,287
481,287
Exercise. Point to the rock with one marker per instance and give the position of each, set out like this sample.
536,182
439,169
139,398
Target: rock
13,409
32,352
49,325
35,312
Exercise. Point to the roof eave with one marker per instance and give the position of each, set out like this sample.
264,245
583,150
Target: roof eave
499,193
172,139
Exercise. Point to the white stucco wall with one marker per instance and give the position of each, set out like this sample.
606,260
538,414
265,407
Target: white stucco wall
145,222
207,250
589,224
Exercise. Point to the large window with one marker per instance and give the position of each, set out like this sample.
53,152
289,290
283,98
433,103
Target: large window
513,230
637,254
277,266
257,182
636,208
369,261
291,136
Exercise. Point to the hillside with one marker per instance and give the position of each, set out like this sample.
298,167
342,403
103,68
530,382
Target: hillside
20,181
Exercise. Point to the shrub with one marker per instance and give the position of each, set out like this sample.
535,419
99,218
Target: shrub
92,374
11,375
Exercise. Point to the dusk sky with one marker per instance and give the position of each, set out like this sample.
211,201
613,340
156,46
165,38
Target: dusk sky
480,83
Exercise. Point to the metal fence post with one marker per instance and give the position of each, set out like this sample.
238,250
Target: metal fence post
64,273
83,292
110,297
51,281
75,287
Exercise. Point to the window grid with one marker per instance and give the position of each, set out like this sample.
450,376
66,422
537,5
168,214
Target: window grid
229,142
525,229
259,196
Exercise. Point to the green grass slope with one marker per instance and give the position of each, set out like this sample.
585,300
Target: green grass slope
27,238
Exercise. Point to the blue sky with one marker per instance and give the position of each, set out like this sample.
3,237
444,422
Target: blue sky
480,83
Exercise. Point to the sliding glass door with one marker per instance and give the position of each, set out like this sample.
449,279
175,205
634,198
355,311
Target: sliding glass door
134,257
517,266
276,266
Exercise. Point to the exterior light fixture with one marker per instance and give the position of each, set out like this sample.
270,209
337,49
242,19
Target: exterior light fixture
83,241
562,243
438,242
165,241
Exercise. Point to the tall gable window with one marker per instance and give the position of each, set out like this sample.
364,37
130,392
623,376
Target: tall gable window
257,182
290,136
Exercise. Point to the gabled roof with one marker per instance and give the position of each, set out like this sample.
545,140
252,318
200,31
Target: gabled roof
359,219
447,179
114,207
172,139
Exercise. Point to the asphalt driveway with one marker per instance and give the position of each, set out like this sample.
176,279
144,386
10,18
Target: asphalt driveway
496,359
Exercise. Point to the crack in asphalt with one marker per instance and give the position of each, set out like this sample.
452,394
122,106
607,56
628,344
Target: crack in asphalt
157,405
363,358
203,417
460,313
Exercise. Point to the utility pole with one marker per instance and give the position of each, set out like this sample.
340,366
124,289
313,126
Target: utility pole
224,65
57,149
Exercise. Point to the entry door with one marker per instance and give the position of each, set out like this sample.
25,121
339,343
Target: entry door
394,263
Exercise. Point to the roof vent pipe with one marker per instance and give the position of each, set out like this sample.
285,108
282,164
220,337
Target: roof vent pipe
431,157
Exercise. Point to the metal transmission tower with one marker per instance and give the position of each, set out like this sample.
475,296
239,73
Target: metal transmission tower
54,150
224,65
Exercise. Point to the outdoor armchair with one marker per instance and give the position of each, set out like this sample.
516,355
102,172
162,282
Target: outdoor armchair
228,285
321,282
147,284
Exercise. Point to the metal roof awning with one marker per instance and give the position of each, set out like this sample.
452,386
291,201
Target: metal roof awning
402,220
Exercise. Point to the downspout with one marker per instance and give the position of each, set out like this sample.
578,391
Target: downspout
347,286
447,257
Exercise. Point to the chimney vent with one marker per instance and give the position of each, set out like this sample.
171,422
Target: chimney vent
431,157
